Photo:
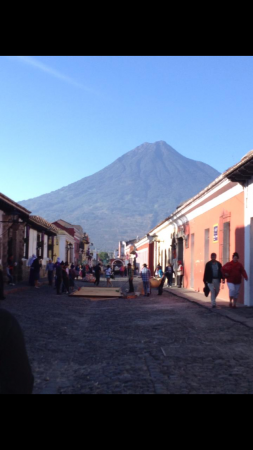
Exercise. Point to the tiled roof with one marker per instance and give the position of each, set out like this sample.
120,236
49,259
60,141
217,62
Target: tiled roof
8,200
44,223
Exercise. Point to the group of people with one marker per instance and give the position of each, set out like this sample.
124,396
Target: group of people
162,276
215,273
65,275
60,273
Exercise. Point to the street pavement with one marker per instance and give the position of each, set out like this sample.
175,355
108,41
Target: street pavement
169,344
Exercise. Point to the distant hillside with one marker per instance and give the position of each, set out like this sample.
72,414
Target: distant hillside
128,197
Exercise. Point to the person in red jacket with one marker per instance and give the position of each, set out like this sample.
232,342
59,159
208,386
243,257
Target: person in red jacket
234,271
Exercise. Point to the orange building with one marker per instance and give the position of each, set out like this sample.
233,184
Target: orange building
219,219
214,224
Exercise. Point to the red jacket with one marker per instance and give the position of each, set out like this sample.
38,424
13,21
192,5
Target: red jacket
234,271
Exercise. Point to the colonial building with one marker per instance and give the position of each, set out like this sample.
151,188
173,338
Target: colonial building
40,240
80,240
23,235
13,220
144,253
218,219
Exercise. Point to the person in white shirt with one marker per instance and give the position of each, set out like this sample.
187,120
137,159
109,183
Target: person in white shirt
108,273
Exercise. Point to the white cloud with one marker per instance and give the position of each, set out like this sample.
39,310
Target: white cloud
38,65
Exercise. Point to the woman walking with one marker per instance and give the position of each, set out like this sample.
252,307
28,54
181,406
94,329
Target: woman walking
108,273
234,271
36,265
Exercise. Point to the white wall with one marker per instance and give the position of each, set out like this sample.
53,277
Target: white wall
142,257
62,247
32,243
248,254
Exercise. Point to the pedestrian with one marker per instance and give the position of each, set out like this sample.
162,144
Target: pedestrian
58,272
2,297
212,277
130,277
36,271
162,276
180,273
83,271
234,271
31,274
145,275
50,272
65,277
108,273
58,262
9,270
72,274
168,273
97,271
15,371
122,270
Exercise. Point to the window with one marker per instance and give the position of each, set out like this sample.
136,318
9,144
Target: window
226,243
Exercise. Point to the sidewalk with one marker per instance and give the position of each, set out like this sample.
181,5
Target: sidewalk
21,286
242,314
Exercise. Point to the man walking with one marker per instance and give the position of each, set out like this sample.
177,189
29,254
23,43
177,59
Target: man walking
145,275
130,277
97,271
213,276
168,273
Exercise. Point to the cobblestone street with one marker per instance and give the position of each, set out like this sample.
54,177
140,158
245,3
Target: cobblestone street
148,345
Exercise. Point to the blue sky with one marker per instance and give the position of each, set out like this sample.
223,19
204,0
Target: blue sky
63,118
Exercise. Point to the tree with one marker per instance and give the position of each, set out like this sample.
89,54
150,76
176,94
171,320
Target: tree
104,256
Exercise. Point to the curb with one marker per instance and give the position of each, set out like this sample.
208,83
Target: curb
235,318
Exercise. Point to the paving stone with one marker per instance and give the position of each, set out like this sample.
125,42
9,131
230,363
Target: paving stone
148,345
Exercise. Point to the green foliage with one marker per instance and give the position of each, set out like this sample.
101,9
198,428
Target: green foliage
103,256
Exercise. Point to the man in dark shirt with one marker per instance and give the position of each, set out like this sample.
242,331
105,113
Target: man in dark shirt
212,277
97,271
130,277
15,372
